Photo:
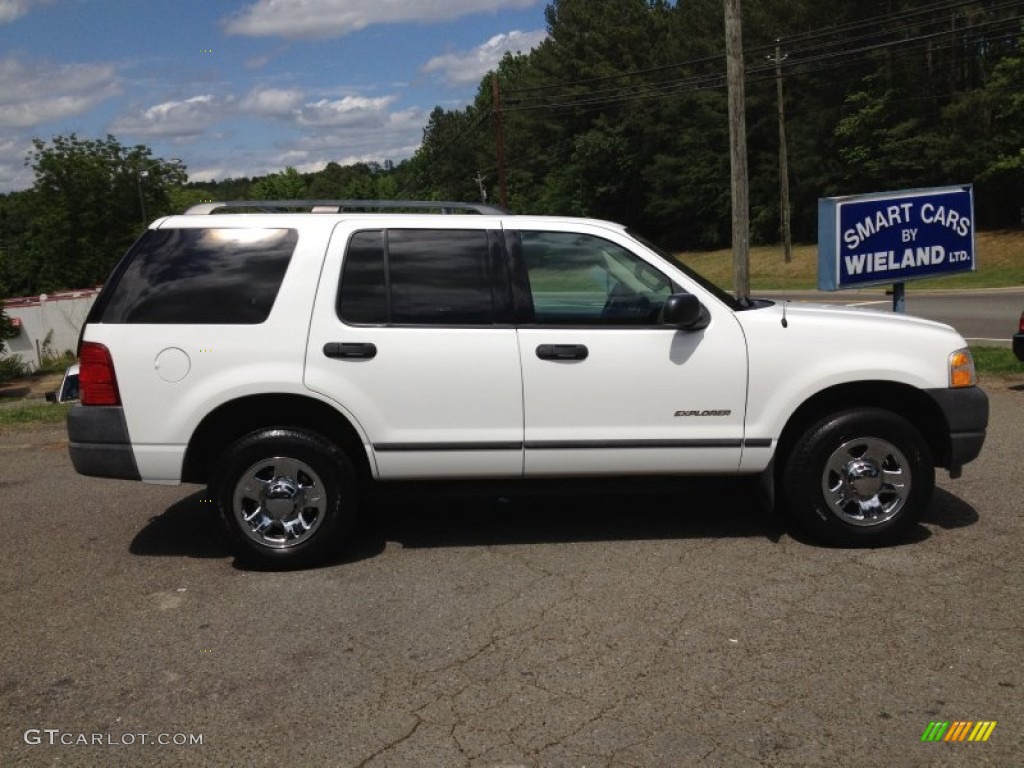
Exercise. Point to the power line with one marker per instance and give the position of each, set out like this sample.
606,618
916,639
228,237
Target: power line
822,45
789,42
875,25
482,114
716,80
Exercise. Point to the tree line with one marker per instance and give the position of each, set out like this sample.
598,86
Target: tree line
621,113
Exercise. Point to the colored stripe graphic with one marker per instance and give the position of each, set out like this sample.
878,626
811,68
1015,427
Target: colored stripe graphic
982,730
958,732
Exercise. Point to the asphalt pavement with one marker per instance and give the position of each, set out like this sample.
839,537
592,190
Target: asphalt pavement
645,627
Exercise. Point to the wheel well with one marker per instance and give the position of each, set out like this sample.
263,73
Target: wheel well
906,401
237,418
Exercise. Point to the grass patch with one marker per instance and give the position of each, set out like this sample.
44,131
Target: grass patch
56,363
996,360
35,413
999,255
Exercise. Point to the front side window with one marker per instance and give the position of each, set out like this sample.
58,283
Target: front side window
201,276
578,279
417,277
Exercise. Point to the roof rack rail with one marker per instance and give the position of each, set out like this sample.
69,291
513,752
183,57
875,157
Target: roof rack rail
341,206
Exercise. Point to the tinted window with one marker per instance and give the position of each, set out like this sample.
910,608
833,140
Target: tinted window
69,390
698,278
584,280
217,276
418,277
363,294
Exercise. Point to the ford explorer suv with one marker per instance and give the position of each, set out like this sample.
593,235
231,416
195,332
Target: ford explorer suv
290,354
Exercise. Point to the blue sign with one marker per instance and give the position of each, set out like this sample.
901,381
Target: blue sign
893,237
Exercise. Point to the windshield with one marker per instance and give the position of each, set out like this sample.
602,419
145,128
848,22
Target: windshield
698,278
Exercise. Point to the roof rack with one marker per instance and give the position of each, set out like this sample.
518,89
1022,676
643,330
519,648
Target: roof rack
342,206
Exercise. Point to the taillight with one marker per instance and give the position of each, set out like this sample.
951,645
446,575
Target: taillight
96,378
1021,328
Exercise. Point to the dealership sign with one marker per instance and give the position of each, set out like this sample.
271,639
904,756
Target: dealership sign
893,237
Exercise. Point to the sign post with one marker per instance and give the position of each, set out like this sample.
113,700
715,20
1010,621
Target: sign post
893,237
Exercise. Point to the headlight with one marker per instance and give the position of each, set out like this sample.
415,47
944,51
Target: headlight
961,369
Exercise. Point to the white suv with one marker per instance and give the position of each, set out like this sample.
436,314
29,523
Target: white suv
288,353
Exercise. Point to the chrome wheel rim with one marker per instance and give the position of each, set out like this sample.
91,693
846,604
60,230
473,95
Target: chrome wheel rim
279,502
866,481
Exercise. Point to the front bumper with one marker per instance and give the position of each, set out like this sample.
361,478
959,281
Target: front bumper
966,414
99,444
1018,346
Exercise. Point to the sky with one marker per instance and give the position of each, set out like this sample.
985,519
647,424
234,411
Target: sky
246,87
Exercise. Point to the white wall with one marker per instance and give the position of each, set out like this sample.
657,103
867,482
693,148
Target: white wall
63,314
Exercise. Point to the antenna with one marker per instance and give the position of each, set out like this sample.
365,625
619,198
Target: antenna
785,322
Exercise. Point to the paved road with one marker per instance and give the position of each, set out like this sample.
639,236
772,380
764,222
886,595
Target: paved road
633,629
987,317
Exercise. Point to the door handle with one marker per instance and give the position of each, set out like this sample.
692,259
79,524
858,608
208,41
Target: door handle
562,352
350,350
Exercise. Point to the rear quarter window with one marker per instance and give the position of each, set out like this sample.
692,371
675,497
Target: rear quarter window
200,276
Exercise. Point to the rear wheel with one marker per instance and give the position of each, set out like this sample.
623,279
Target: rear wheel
859,478
286,496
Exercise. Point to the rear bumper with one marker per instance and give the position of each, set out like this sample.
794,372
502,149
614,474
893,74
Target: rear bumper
1018,346
98,442
966,413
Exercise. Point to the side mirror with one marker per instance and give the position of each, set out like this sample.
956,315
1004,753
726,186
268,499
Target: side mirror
684,311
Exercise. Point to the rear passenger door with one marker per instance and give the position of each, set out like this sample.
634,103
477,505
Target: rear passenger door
412,335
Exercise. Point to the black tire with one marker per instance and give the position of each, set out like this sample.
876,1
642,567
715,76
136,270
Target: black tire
858,478
286,496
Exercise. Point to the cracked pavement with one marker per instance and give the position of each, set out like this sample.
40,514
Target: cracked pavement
639,626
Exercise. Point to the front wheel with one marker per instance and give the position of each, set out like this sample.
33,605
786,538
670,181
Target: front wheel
858,478
286,497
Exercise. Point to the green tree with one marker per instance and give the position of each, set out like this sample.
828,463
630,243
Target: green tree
89,202
453,150
1000,183
287,185
17,216
7,329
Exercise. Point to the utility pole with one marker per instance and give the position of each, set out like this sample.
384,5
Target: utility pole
787,238
738,151
499,139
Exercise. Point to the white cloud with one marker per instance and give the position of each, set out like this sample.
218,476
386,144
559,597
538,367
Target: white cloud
308,157
349,130
390,129
175,119
349,111
271,102
12,9
14,174
320,19
467,67
260,61
39,91
394,136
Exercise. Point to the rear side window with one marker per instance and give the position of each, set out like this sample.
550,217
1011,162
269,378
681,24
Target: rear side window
418,277
201,276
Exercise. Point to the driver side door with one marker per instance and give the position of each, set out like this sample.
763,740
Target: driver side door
607,387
